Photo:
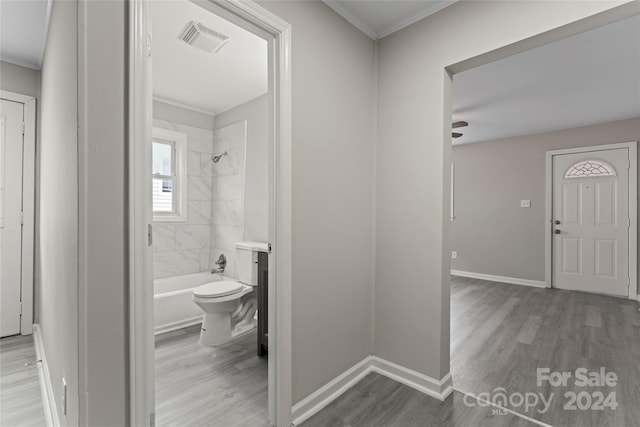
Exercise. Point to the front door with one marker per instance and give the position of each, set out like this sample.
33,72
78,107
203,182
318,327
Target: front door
11,145
591,221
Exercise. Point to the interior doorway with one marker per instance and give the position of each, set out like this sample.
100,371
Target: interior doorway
518,198
276,33
17,188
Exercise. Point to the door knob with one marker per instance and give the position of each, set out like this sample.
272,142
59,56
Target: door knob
557,231
557,221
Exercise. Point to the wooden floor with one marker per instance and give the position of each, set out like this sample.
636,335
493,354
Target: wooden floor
377,401
500,335
20,396
201,386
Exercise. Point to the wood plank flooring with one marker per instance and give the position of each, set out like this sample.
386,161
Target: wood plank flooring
377,401
20,396
202,386
500,335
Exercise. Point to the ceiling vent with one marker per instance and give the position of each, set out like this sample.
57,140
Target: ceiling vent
197,35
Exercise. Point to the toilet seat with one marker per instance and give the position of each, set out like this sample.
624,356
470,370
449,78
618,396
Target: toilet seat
218,289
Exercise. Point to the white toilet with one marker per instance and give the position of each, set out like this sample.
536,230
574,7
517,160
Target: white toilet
229,306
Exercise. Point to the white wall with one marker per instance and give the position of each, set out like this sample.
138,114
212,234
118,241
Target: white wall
58,228
333,141
414,116
256,170
491,179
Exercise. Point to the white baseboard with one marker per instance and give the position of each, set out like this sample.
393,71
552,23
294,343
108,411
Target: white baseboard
440,389
501,279
326,394
48,399
177,325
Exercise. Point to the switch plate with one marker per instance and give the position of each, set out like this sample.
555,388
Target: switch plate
525,203
454,254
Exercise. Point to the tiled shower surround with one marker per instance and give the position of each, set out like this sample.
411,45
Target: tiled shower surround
227,214
213,191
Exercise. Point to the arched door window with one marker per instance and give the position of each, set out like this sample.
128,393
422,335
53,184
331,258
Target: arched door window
589,168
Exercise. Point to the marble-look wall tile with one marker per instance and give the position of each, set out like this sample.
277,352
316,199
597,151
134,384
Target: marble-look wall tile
174,263
226,212
192,236
199,139
229,187
206,164
198,212
193,163
227,217
198,188
185,247
231,164
205,256
231,136
164,237
226,237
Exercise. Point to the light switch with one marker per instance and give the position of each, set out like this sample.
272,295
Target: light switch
525,203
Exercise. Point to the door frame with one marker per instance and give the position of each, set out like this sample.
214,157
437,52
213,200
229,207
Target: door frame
28,206
633,209
141,331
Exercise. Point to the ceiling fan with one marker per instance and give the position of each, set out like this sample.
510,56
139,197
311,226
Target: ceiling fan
457,125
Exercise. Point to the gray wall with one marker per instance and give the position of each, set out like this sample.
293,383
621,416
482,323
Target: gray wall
491,233
58,236
15,78
102,164
414,116
333,143
256,170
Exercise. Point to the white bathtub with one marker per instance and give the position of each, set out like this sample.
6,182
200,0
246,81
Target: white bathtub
173,304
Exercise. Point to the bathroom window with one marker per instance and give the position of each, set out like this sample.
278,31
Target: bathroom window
169,175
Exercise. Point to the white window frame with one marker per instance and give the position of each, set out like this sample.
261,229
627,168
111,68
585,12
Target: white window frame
179,185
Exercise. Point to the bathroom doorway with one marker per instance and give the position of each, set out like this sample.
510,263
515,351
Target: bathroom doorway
215,253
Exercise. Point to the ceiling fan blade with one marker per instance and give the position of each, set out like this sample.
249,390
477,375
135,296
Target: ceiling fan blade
456,135
460,124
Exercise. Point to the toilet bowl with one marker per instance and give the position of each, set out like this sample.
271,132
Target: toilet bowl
229,306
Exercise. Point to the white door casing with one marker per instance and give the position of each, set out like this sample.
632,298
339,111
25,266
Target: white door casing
590,217
11,148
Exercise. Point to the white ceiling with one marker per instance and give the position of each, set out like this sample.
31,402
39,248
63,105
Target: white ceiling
378,19
209,82
23,31
590,78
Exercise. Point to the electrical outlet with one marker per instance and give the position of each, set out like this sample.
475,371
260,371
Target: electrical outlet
64,396
525,203
454,254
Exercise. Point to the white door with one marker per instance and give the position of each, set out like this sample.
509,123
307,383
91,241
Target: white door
11,146
591,221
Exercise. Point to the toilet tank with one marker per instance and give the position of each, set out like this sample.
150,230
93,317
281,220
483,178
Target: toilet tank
247,261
